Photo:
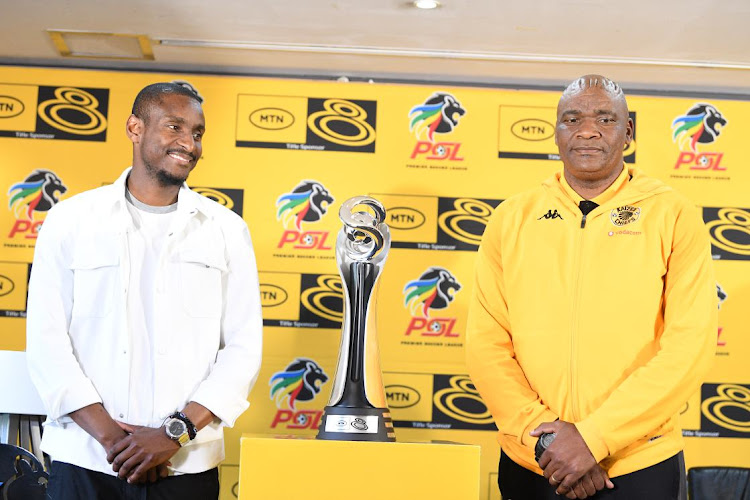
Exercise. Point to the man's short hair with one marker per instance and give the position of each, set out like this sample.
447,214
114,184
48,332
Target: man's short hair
152,94
588,81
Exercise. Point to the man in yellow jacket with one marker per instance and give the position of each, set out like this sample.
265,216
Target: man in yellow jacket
593,317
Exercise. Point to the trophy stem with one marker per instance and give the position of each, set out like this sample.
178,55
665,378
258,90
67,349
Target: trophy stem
354,390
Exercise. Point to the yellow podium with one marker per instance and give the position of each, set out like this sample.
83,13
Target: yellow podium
296,468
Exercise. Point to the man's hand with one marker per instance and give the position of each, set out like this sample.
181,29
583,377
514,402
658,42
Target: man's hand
567,459
143,455
95,420
594,480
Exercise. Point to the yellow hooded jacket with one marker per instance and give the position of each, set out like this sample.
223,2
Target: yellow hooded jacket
607,321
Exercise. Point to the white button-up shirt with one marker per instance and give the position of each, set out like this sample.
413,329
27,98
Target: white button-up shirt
207,327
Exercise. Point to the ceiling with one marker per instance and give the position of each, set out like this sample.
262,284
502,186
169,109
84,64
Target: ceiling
688,45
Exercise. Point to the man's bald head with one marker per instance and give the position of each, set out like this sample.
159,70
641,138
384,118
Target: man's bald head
595,81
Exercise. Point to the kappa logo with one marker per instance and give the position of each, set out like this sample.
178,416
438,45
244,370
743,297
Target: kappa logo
621,216
435,289
551,214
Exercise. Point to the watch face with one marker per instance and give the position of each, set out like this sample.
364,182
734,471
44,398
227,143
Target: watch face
176,427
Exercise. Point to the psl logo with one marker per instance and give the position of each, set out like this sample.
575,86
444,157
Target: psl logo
307,202
37,193
702,124
301,380
434,289
438,115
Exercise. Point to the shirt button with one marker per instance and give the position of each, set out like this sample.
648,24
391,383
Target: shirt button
122,416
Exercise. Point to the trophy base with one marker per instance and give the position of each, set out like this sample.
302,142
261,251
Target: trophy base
356,424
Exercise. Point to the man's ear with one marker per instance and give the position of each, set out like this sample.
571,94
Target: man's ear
134,128
629,131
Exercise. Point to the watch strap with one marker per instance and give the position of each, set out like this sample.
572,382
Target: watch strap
192,430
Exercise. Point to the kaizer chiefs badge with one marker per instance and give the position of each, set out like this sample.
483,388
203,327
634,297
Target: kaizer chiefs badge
624,215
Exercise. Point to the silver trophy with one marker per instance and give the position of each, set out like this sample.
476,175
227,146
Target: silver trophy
357,410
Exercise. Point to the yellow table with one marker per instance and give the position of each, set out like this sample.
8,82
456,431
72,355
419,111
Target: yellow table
295,468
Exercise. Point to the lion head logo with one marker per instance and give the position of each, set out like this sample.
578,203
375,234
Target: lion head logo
38,193
433,290
701,124
307,202
439,114
300,381
722,295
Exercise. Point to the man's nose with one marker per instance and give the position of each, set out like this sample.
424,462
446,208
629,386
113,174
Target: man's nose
588,129
187,141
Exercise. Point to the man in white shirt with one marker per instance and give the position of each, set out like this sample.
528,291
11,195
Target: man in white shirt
144,328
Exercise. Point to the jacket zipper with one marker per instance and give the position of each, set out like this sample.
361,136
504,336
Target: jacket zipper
574,324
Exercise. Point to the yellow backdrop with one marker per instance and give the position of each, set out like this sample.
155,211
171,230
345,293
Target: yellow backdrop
270,141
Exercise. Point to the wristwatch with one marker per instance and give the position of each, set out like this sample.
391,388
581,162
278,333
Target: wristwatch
176,430
543,443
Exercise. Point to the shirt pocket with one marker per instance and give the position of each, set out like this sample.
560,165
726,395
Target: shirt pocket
201,270
96,277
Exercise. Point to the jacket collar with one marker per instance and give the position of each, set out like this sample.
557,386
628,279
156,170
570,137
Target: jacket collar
632,186
189,203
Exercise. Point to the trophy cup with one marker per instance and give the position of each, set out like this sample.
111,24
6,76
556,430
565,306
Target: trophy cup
357,410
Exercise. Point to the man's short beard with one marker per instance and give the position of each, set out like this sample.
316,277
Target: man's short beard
164,178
